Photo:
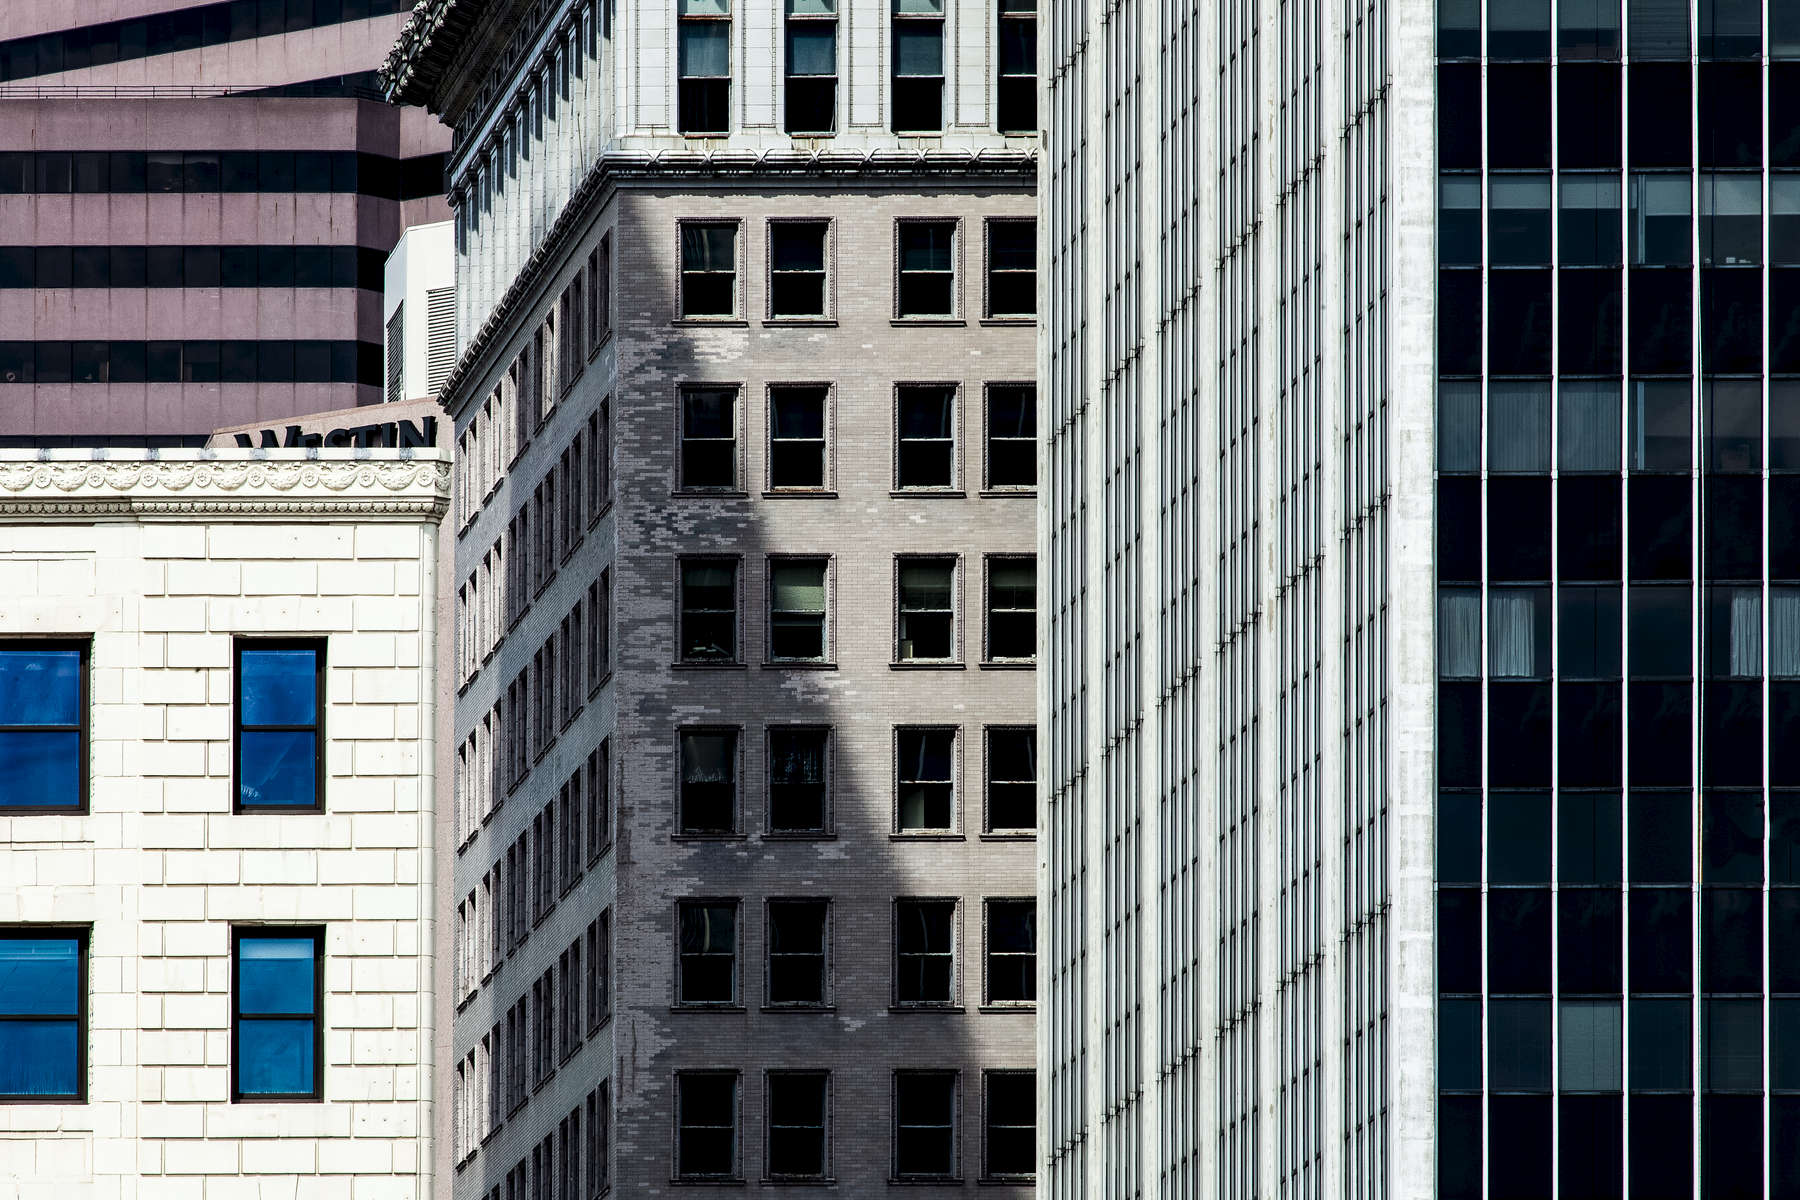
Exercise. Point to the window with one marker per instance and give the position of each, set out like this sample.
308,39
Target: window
1016,104
1012,609
1012,436
279,747
918,66
926,454
927,625
799,780
1011,1124
43,726
797,257
924,952
706,1125
797,932
1730,220
704,62
927,268
708,269
599,649
600,284
926,774
1012,268
798,459
1660,205
277,1036
599,1122
1011,780
798,1104
1011,951
924,1124
599,965
599,801
709,439
43,1014
811,67
1519,220
709,610
797,598
1589,223
708,952
708,781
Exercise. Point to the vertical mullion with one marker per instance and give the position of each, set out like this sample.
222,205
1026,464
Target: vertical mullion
1481,465
1624,748
1552,409
1696,613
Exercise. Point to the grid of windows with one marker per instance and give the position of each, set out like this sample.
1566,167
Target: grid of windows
1615,711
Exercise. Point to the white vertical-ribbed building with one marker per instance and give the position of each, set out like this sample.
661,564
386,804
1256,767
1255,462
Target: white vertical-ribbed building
1235,548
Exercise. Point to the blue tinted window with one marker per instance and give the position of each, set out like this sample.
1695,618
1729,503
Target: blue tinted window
278,724
41,703
276,1030
41,1013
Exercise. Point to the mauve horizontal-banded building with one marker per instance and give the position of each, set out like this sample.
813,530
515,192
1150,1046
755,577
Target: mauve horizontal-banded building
196,204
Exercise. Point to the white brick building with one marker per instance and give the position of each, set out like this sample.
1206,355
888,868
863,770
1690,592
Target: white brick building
161,577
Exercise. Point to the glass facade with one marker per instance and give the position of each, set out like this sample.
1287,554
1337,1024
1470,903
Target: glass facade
1619,599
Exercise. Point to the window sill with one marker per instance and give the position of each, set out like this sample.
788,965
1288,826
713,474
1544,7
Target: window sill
710,494
798,835
256,810
799,1008
1009,664
928,494
692,1181
940,321
70,810
926,1008
800,1181
923,1180
1008,493
798,664
605,507
802,322
707,1008
927,835
1006,1181
927,665
1026,320
710,323
595,688
709,837
1010,1006
800,494
1021,835
708,666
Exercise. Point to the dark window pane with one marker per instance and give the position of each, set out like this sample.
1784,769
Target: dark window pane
1519,734
1459,1148
1588,535
1784,1146
1588,225
1730,29
1519,837
1731,1149
1590,625
1519,529
1518,322
1519,1045
1784,837
1730,114
1459,1045
1659,733
1730,320
1522,91
1589,933
1592,321
1518,940
1459,220
1589,835
1590,735
1459,115
1661,320
1661,921
1459,837
1590,1147
1661,100
1459,322
1784,1045
1459,940
1660,837
1661,1042
1459,530
1521,1125
1661,512
1731,838
1731,741
1731,941
1459,734
1784,319
1661,1147
1784,114
1784,940
1587,128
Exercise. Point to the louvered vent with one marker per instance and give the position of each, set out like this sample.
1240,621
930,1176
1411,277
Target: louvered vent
440,337
396,354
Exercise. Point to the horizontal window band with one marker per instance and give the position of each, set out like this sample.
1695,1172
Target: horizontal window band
137,172
106,42
192,267
191,362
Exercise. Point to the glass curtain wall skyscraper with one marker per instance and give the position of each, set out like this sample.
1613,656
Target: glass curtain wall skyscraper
1618,617
1541,845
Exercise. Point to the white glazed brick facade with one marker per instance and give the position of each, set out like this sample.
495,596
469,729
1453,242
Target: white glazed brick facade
162,561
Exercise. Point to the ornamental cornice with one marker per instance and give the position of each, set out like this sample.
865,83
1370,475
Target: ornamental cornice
391,489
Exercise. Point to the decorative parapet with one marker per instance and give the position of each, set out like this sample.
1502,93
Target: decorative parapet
242,484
